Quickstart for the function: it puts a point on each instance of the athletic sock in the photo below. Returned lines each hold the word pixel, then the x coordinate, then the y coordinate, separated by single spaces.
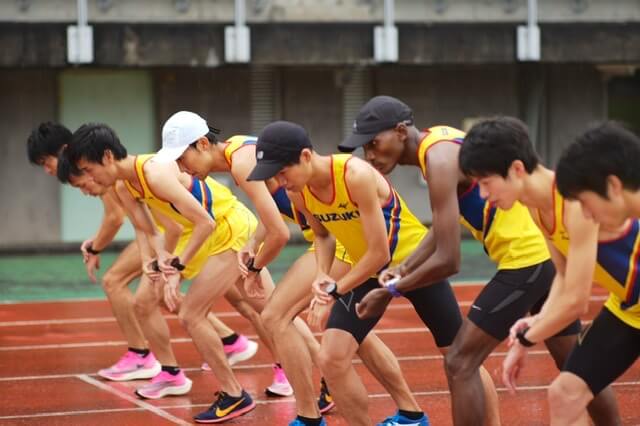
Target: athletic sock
pixel 230 340
pixel 278 365
pixel 171 369
pixel 310 421
pixel 411 415
pixel 142 352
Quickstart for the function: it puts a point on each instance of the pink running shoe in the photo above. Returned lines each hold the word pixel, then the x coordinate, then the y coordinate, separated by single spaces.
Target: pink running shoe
pixel 242 350
pixel 165 384
pixel 132 366
pixel 280 385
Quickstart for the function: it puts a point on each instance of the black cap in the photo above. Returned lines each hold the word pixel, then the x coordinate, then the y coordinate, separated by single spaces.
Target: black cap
pixel 279 145
pixel 377 115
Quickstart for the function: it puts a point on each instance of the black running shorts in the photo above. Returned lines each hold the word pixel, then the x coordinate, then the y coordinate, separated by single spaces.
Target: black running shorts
pixel 512 294
pixel 605 349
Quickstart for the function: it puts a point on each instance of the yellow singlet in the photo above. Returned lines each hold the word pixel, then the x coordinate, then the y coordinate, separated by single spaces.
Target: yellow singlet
pixel 286 208
pixel 234 222
pixel 616 267
pixel 510 238
pixel 342 217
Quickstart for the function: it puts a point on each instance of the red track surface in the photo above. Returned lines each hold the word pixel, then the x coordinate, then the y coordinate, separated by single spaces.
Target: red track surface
pixel 49 353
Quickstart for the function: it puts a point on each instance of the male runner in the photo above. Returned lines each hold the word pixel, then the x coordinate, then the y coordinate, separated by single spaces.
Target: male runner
pixel 44 146
pixel 342 196
pixel 500 155
pixel 386 130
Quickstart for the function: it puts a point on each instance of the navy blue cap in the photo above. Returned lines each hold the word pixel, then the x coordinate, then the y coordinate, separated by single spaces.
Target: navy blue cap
pixel 377 115
pixel 279 145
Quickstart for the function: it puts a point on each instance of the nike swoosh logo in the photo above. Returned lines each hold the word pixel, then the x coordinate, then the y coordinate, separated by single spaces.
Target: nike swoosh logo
pixel 223 413
pixel 476 307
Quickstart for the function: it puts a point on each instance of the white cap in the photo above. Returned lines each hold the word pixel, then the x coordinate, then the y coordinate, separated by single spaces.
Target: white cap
pixel 181 130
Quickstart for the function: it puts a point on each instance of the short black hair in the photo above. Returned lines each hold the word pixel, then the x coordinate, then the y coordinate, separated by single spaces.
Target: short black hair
pixel 211 137
pixel 605 149
pixel 91 141
pixel 66 169
pixel 492 145
pixel 46 140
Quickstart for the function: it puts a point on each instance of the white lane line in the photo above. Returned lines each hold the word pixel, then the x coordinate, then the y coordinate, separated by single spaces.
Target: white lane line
pixel 395 307
pixel 259 402
pixel 155 410
pixel 407 358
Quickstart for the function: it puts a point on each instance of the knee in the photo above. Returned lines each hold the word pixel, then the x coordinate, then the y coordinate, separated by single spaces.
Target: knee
pixel 111 283
pixel 333 364
pixel 271 320
pixel 563 396
pixel 458 365
pixel 143 308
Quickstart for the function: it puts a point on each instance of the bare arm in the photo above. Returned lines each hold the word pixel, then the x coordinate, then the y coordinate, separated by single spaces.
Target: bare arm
pixel 163 179
pixel 444 238
pixel 324 242
pixel 359 178
pixel 112 221
pixel 569 296
pixel 277 232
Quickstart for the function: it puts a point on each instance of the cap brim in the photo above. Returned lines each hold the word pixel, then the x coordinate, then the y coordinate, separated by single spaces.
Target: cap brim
pixel 355 141
pixel 167 155
pixel 265 170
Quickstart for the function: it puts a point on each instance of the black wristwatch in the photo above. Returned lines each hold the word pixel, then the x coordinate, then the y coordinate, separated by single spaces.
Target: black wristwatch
pixel 332 289
pixel 175 262
pixel 90 250
pixel 252 268
pixel 522 339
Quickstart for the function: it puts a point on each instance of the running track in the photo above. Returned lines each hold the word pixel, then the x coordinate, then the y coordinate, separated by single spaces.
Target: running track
pixel 50 351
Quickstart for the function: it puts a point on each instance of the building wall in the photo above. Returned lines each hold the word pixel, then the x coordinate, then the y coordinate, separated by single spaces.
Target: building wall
pixel 30 207
pixel 123 99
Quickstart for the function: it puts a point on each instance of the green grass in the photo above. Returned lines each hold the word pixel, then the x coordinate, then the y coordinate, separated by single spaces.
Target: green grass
pixel 62 276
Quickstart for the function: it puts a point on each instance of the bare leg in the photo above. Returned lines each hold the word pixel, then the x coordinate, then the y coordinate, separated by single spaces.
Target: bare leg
pixel 193 316
pixel 473 396
pixel 221 328
pixel 153 323
pixel 603 409
pixel 115 283
pixel 337 350
pixel 568 399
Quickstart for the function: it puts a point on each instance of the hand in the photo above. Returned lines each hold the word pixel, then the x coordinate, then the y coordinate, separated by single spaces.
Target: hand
pixel 397 271
pixel 164 263
pixel 318 287
pixel 521 324
pixel 83 249
pixel 244 255
pixel 318 313
pixel 91 263
pixel 512 365
pixel 151 269
pixel 374 303
pixel 253 286
pixel 172 294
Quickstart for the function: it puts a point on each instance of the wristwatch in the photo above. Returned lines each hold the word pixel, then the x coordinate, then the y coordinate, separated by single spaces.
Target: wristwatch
pixel 522 339
pixel 90 250
pixel 391 287
pixel 332 289
pixel 252 268
pixel 175 262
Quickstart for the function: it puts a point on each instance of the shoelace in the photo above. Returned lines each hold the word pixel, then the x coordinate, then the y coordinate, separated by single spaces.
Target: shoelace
pixel 221 395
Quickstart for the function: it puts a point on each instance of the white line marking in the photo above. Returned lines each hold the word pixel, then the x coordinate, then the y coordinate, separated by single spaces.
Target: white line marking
pixel 395 307
pixel 155 410
pixel 407 358
pixel 259 402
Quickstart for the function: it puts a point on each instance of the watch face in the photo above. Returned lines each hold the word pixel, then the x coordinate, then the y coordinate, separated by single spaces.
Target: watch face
pixel 330 288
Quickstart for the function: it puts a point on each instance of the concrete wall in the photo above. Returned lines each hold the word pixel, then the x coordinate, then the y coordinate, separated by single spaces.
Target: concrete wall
pixel 30 207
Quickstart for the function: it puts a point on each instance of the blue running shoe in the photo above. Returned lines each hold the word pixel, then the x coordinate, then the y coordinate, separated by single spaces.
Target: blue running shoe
pixel 226 408
pixel 298 422
pixel 399 419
